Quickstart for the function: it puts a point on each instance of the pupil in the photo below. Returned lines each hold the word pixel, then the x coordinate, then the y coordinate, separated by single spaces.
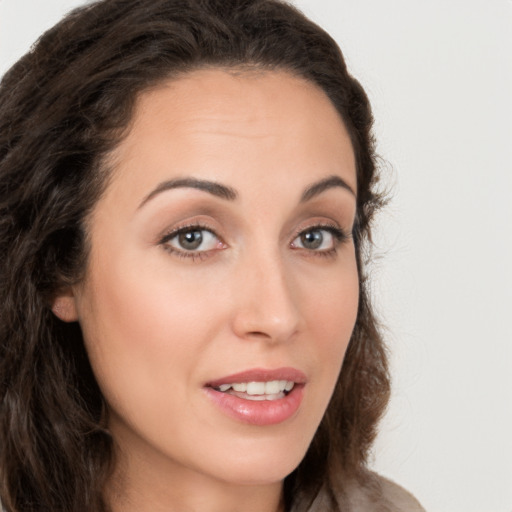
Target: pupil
pixel 190 240
pixel 312 239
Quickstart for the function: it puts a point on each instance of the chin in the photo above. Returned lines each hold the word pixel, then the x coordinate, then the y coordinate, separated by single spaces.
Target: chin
pixel 261 464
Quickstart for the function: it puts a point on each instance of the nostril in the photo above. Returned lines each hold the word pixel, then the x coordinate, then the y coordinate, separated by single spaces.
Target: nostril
pixel 258 334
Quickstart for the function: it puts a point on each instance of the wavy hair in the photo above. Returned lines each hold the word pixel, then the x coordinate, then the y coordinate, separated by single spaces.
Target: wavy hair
pixel 63 107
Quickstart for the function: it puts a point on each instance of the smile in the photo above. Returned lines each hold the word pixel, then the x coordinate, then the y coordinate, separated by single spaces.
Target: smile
pixel 270 390
pixel 259 397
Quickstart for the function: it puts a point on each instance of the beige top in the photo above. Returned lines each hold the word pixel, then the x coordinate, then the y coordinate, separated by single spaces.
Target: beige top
pixel 399 499
pixel 382 495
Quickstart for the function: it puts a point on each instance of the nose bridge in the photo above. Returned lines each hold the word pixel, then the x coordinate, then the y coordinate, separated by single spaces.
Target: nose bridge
pixel 266 305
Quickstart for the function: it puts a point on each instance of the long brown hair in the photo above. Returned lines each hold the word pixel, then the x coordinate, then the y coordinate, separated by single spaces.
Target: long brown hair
pixel 63 107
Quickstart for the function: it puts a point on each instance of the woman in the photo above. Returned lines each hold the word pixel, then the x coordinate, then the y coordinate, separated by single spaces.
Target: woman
pixel 187 191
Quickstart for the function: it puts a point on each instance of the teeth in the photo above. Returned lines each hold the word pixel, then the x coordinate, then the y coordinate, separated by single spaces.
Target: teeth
pixel 256 388
pixel 270 388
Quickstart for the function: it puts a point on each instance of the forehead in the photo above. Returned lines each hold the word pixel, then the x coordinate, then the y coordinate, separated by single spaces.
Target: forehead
pixel 218 123
pixel 242 98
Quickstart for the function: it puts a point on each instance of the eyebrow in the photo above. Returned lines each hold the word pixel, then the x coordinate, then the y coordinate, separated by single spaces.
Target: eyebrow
pixel 216 189
pixel 323 185
pixel 230 194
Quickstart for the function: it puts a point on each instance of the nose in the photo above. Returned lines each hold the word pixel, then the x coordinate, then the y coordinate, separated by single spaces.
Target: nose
pixel 265 304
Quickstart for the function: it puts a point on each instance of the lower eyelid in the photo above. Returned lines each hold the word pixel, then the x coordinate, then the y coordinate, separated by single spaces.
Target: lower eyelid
pixel 186 255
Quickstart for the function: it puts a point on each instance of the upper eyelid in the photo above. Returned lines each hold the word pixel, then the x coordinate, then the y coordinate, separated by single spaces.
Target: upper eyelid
pixel 326 225
pixel 319 225
pixel 171 233
pixel 337 231
pixel 200 227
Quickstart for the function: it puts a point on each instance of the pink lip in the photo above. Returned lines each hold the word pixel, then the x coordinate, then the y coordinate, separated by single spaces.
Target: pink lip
pixel 265 412
pixel 261 375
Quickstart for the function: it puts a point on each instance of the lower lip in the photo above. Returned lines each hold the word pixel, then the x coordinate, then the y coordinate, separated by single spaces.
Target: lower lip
pixel 265 412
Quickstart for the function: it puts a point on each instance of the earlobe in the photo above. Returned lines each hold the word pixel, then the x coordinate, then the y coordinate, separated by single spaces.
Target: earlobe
pixel 64 306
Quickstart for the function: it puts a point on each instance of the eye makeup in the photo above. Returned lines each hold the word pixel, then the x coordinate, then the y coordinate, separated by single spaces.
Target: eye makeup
pixel 198 241
pixel 314 236
pixel 194 235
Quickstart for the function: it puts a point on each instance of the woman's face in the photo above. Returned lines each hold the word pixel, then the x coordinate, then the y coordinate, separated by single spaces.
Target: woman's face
pixel 222 288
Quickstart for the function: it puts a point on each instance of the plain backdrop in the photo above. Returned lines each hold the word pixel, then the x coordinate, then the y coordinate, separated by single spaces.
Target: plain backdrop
pixel 439 75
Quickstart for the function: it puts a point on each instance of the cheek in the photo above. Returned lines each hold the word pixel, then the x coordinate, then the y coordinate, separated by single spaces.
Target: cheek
pixel 138 306
pixel 142 331
pixel 332 309
pixel 332 315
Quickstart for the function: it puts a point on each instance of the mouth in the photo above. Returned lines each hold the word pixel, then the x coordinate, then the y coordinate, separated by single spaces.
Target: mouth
pixel 259 397
pixel 258 391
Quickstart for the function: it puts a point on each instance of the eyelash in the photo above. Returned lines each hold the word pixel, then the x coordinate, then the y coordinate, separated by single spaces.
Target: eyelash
pixel 193 255
pixel 340 236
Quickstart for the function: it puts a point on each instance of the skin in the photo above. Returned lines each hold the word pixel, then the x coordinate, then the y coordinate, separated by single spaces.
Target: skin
pixel 160 321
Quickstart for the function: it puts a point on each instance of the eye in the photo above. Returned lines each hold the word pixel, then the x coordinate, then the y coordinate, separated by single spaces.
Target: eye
pixel 192 239
pixel 320 239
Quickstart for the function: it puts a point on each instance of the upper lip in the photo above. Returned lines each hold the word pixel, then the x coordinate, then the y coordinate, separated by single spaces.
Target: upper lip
pixel 261 375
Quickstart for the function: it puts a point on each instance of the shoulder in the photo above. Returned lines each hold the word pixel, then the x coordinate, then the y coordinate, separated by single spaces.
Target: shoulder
pixel 377 493
pixel 398 497
pixel 369 492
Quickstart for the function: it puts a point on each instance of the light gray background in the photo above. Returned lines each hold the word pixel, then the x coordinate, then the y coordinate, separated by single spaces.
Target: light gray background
pixel 439 75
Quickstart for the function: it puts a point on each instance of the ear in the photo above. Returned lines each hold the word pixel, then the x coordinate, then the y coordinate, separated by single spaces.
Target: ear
pixel 64 306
